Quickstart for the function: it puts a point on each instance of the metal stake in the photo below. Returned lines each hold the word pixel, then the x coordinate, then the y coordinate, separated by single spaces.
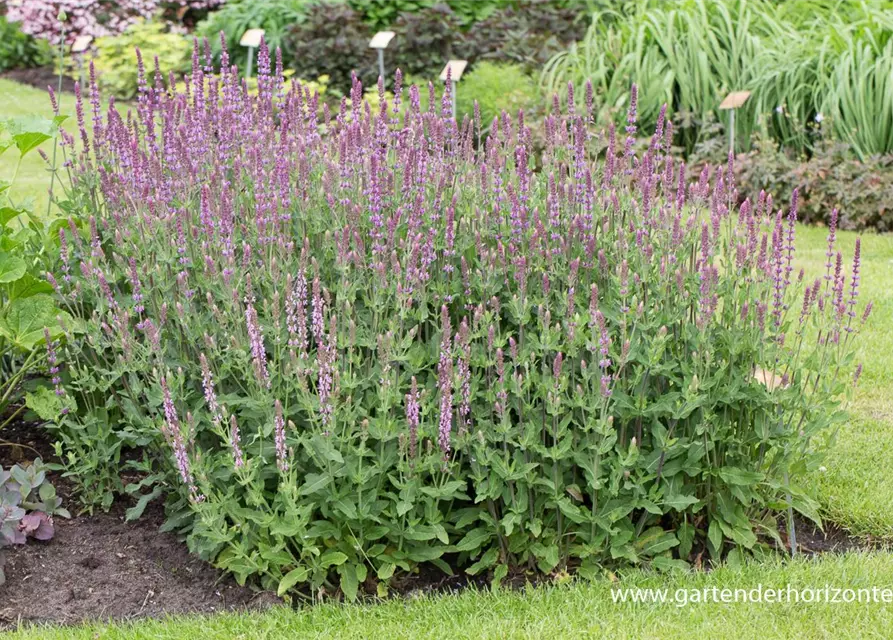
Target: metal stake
pixel 250 61
pixel 455 98
pixel 381 64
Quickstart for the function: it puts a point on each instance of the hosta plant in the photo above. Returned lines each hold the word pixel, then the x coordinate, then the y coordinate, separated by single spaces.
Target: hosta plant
pixel 355 344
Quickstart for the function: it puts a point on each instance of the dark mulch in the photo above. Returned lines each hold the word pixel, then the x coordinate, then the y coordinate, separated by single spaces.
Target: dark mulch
pixel 99 566
pixel 39 78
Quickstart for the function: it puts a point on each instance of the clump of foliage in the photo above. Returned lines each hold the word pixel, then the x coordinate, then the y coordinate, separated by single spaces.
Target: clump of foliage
pixel 382 14
pixel 233 19
pixel 29 317
pixel 831 178
pixel 496 88
pixel 527 32
pixel 28 503
pixel 800 60
pixel 358 344
pixel 332 41
pixel 97 18
pixel 115 57
pixel 426 40
pixel 18 50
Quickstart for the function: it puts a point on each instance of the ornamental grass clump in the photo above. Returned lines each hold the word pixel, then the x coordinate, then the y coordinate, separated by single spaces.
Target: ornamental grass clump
pixel 351 345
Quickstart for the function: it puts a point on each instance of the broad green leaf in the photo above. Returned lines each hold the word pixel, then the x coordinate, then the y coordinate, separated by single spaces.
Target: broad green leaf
pixel 386 570
pixel 45 403
pixel 474 539
pixel 11 268
pixel 26 319
pixel 349 582
pixel 734 475
pixel 332 559
pixel 290 579
pixel 134 512
pixel 679 502
pixel 28 286
pixel 8 213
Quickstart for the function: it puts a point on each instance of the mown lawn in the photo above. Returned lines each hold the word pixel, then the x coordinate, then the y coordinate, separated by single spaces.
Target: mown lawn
pixel 855 491
pixel 578 611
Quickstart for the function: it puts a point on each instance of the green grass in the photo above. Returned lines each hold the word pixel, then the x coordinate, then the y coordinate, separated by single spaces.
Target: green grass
pixel 33 179
pixel 855 491
pixel 580 610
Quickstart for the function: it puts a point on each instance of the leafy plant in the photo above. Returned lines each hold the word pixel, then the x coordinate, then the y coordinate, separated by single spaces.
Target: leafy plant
pixel 381 14
pixel 234 18
pixel 527 32
pixel 65 20
pixel 801 60
pixel 333 41
pixel 357 345
pixel 19 50
pixel 28 503
pixel 116 56
pixel 29 318
pixel 426 40
pixel 496 88
pixel 828 180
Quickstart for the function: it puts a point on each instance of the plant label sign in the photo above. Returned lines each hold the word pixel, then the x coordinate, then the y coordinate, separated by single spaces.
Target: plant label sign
pixel 381 40
pixel 456 68
pixel 252 38
pixel 81 44
pixel 734 100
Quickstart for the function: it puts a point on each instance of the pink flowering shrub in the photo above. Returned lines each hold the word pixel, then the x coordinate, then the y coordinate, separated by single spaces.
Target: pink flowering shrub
pixel 40 18
pixel 346 346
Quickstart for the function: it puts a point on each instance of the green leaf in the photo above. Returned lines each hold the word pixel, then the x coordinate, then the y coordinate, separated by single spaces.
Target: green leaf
pixel 11 268
pixel 45 403
pixel 8 213
pixel 714 534
pixel 349 582
pixel 386 570
pixel 332 559
pixel 26 319
pixel 734 475
pixel 134 512
pixel 290 579
pixel 28 286
pixel 679 501
pixel 474 539
pixel 487 560
pixel 315 482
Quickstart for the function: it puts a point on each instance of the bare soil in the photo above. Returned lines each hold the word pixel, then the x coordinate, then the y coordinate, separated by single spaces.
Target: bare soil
pixel 99 566
pixel 39 78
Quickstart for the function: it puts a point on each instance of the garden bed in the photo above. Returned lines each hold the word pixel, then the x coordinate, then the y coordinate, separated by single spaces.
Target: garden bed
pixel 39 78
pixel 99 566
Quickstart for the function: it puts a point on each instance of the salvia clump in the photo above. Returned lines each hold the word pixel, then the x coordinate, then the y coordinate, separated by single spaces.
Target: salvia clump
pixel 360 339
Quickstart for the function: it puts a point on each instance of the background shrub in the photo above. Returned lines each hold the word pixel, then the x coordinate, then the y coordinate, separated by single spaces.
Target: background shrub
pixel 529 32
pixel 356 349
pixel 802 60
pixel 276 17
pixel 496 88
pixel 18 50
pixel 40 18
pixel 426 40
pixel 831 178
pixel 115 57
pixel 333 41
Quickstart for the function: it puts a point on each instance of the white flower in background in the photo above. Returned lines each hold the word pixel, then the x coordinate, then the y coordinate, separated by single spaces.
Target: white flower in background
pixel 819 117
